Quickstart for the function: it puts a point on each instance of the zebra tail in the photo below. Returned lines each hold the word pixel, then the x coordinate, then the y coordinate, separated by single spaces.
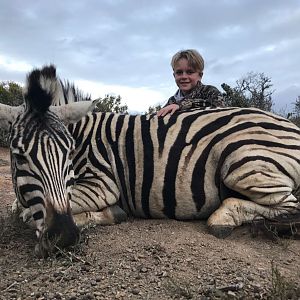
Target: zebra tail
pixel 284 226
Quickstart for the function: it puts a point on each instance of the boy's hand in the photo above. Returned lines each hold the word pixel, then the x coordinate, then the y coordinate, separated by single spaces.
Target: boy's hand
pixel 170 109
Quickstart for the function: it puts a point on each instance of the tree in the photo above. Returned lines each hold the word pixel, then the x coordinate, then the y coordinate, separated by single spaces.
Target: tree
pixel 296 111
pixel 112 104
pixel 234 97
pixel 252 90
pixel 294 116
pixel 11 93
pixel 153 109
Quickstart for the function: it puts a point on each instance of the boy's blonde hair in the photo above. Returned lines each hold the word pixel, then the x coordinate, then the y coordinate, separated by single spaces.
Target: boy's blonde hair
pixel 194 58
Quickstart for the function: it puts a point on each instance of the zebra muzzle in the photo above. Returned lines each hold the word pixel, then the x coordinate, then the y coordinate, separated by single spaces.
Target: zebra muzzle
pixel 61 233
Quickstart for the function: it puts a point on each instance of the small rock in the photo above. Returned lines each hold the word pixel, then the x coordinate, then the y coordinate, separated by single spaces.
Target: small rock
pixel 144 270
pixel 250 277
pixel 93 283
pixel 120 295
pixel 56 274
pixel 135 291
pixel 72 296
pixel 256 287
pixel 230 293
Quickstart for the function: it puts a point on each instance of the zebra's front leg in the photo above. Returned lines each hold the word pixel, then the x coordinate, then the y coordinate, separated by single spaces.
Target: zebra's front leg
pixel 23 213
pixel 16 207
pixel 234 212
pixel 95 202
pixel 107 216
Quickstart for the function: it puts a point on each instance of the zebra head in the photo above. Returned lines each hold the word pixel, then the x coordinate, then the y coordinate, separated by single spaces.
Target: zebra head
pixel 41 150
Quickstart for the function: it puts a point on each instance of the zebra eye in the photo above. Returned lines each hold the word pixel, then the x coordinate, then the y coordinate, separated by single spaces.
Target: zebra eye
pixel 20 159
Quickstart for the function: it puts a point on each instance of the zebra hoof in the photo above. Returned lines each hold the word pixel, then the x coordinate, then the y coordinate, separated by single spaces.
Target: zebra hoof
pixel 221 231
pixel 119 214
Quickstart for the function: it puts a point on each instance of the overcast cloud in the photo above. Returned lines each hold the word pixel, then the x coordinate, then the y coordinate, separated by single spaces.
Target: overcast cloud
pixel 125 47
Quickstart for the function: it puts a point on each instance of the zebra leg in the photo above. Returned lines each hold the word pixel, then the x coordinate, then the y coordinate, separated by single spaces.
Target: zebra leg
pixel 234 212
pixel 108 216
pixel 16 207
pixel 23 213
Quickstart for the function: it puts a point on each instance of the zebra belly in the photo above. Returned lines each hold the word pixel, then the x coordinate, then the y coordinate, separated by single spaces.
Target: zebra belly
pixel 182 205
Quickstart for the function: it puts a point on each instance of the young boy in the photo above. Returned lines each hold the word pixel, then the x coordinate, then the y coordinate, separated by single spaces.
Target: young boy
pixel 188 68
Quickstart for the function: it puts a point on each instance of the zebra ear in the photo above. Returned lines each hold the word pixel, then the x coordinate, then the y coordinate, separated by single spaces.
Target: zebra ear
pixel 73 112
pixel 8 115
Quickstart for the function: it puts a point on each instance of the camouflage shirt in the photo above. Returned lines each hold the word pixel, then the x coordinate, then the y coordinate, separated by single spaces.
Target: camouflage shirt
pixel 201 96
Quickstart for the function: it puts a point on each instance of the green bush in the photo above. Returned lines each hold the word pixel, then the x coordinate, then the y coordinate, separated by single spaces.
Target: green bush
pixel 10 94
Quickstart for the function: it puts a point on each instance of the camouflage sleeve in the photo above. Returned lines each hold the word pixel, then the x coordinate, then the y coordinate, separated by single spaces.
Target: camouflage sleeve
pixel 211 97
pixel 188 104
pixel 218 101
pixel 216 98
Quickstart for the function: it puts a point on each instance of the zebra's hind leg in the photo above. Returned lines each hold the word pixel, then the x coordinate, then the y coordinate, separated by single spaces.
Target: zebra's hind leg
pixel 107 216
pixel 233 212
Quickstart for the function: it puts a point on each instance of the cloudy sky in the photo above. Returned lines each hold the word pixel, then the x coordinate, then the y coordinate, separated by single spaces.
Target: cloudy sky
pixel 124 47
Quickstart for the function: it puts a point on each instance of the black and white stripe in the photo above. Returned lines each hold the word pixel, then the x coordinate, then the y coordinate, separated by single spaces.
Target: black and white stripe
pixel 186 165
pixel 42 168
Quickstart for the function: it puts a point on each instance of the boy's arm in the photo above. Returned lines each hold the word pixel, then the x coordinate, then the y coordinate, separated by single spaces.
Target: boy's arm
pixel 213 98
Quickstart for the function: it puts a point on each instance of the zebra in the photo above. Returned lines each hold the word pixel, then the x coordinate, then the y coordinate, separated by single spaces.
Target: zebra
pixel 40 146
pixel 227 165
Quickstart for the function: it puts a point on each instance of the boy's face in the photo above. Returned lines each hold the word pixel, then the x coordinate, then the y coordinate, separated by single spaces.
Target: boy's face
pixel 185 76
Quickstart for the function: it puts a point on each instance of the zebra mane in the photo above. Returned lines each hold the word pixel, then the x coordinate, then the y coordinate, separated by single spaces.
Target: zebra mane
pixel 44 88
pixel 67 93
pixel 38 89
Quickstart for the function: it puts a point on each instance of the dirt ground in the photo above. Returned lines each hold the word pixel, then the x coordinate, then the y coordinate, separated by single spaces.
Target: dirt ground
pixel 145 259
